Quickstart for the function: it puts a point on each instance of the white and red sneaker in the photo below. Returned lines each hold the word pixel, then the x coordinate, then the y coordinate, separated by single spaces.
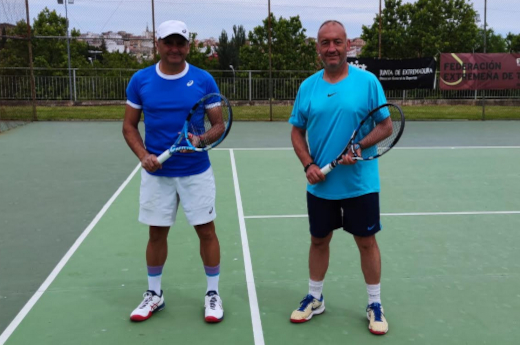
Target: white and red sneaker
pixel 152 303
pixel 213 311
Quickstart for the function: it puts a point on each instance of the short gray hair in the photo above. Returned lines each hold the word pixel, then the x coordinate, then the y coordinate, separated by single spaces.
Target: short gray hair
pixel 331 21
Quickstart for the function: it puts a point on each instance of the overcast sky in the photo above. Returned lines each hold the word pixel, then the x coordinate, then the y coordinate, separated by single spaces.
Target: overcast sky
pixel 209 17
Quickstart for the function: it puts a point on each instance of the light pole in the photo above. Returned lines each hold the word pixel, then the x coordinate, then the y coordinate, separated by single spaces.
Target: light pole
pixel 233 69
pixel 68 42
pixel 485 34
pixel 379 29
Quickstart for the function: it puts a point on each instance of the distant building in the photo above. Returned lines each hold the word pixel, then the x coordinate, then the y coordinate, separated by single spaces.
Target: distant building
pixel 356 45
pixel 140 46
pixel 210 43
pixel 6 26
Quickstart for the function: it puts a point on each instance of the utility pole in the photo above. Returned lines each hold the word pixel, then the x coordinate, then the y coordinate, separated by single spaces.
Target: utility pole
pixel 153 33
pixel 68 43
pixel 485 34
pixel 270 62
pixel 31 67
pixel 380 29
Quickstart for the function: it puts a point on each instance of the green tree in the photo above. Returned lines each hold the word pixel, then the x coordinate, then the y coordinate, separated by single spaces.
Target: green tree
pixel 291 49
pixel 15 52
pixel 52 53
pixel 442 26
pixel 119 60
pixel 394 33
pixel 424 28
pixel 103 46
pixel 200 55
pixel 494 43
pixel 4 38
pixel 513 43
pixel 229 50
pixel 238 40
pixel 224 51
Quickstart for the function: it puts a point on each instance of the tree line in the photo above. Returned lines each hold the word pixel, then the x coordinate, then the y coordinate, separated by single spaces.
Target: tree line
pixel 420 29
pixel 429 27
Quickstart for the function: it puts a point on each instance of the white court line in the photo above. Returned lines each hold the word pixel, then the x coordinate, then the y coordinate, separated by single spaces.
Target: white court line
pixel 395 148
pixel 397 214
pixel 30 304
pixel 258 333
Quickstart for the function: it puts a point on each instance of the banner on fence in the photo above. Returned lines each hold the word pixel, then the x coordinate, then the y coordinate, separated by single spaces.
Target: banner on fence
pixel 403 74
pixel 496 71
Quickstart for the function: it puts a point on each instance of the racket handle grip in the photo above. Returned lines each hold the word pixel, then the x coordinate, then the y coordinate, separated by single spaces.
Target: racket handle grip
pixel 326 169
pixel 164 156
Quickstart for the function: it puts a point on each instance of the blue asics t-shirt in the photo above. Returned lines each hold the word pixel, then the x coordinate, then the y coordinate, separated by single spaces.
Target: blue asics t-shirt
pixel 330 113
pixel 166 101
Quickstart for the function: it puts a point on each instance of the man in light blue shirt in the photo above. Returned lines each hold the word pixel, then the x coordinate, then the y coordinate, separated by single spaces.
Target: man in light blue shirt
pixel 329 106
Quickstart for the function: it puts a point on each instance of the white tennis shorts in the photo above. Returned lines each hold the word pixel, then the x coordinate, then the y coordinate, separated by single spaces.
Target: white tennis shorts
pixel 160 196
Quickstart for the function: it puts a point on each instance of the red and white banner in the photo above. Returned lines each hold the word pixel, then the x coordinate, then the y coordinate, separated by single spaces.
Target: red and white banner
pixel 480 71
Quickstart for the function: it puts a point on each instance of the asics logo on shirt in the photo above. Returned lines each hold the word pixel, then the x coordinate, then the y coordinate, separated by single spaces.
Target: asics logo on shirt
pixel 190 83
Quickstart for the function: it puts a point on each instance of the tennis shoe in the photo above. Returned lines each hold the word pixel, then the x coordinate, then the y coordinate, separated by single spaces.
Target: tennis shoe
pixel 376 318
pixel 151 303
pixel 213 310
pixel 309 307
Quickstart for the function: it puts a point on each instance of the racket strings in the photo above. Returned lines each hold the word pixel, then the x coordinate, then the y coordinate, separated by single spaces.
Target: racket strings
pixel 211 128
pixel 372 133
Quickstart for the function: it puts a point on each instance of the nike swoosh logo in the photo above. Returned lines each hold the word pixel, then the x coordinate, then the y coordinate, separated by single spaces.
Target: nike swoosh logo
pixel 211 211
pixel 371 227
pixel 190 83
pixel 331 94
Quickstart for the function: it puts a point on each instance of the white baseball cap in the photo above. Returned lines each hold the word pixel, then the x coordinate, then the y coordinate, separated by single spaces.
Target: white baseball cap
pixel 173 27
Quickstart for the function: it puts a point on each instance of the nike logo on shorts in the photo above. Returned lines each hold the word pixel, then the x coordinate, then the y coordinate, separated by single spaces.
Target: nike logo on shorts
pixel 371 227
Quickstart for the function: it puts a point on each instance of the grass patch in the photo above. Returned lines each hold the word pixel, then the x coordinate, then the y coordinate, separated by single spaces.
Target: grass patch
pixel 257 113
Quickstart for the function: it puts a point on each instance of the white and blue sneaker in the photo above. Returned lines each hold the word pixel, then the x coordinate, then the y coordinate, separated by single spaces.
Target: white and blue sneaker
pixel 376 318
pixel 213 310
pixel 151 303
pixel 309 306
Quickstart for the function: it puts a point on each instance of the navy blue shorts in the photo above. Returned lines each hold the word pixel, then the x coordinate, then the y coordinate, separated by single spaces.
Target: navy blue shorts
pixel 358 216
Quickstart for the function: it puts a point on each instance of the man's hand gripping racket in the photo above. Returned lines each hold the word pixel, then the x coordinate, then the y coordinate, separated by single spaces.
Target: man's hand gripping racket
pixel 202 133
pixel 372 138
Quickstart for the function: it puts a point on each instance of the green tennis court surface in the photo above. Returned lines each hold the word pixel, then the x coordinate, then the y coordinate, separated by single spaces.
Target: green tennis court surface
pixel 451 269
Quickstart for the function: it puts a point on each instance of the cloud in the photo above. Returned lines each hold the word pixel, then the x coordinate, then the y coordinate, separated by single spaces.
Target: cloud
pixel 209 17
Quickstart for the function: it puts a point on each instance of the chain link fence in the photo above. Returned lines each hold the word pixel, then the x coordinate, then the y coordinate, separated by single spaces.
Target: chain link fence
pixel 86 50
pixel 249 86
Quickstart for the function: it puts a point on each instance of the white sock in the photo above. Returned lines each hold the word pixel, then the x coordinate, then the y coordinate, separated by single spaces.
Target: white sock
pixel 212 283
pixel 374 293
pixel 315 288
pixel 154 284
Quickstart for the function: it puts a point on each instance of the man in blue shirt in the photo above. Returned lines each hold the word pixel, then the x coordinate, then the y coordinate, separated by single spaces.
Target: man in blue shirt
pixel 165 93
pixel 328 107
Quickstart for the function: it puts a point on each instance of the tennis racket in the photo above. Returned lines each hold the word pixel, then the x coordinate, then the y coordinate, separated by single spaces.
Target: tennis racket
pixel 376 139
pixel 207 125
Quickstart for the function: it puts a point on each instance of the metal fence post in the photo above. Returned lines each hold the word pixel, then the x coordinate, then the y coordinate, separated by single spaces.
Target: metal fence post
pixel 250 87
pixel 74 80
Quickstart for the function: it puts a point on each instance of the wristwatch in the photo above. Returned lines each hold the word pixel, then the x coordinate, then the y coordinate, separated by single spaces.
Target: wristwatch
pixel 308 166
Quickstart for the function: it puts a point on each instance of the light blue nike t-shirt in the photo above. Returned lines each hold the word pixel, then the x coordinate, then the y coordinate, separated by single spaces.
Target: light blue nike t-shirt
pixel 330 113
pixel 166 101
